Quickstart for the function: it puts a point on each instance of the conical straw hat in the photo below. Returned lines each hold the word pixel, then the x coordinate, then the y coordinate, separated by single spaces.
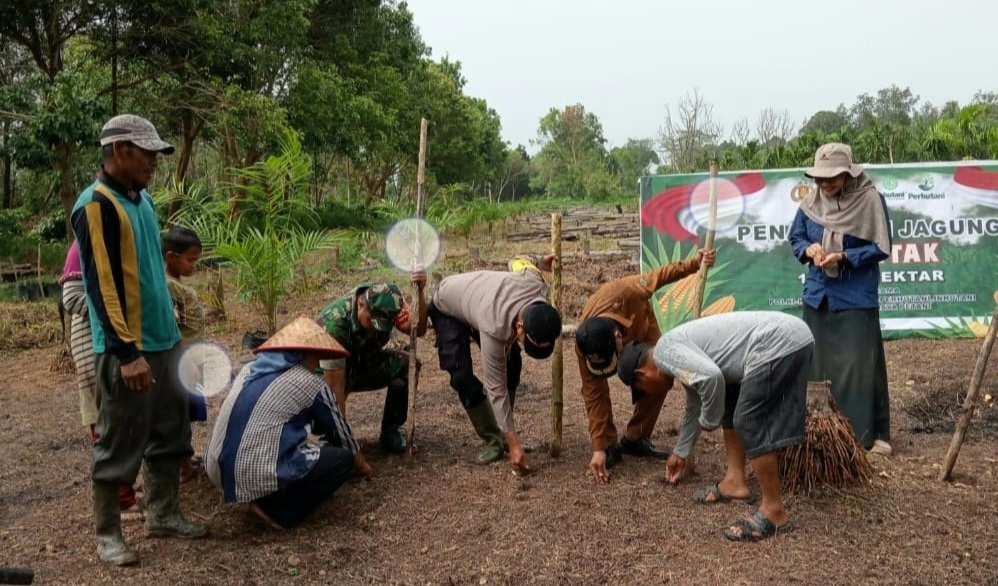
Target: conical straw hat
pixel 304 335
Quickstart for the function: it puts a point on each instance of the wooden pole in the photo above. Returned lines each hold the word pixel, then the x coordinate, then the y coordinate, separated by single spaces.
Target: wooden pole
pixel 557 358
pixel 971 401
pixel 709 242
pixel 414 320
pixel 691 461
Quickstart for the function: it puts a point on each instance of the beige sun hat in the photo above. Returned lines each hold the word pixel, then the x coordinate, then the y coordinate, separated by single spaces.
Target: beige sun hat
pixel 304 335
pixel 136 130
pixel 833 159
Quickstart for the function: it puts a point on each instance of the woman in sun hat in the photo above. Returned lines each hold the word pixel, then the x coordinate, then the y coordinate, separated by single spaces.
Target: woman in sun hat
pixel 842 233
pixel 260 451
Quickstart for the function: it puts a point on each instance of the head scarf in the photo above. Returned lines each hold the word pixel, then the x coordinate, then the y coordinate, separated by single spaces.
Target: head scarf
pixel 857 211
pixel 275 362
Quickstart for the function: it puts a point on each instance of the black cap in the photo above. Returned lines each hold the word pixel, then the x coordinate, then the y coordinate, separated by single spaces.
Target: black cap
pixel 630 358
pixel 597 342
pixel 541 326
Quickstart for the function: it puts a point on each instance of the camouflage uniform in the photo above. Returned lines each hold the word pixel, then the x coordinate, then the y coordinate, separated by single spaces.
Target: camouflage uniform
pixel 370 366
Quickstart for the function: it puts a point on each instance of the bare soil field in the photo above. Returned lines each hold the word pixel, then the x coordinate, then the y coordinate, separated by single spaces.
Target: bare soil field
pixel 443 520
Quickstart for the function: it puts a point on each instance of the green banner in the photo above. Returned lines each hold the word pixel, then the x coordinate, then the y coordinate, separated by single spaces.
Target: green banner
pixel 940 281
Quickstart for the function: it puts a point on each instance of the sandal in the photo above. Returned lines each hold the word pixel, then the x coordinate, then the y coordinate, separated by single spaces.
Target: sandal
pixel 712 495
pixel 755 528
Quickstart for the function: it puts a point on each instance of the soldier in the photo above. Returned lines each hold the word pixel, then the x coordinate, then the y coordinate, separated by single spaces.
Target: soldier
pixel 362 322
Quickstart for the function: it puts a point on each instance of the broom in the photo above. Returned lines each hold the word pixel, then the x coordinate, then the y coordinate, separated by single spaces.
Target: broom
pixel 63 360
pixel 830 454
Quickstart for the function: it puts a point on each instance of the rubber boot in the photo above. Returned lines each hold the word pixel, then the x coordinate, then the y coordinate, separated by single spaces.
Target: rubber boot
pixel 111 546
pixel 162 488
pixel 484 420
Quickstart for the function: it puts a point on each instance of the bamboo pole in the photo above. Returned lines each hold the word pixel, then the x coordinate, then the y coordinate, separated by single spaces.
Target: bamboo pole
pixel 557 358
pixel 691 461
pixel 709 241
pixel 971 401
pixel 417 254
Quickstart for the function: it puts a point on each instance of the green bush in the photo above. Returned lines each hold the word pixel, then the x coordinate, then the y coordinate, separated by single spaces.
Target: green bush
pixel 51 228
pixel 336 215
pixel 12 221
pixel 27 250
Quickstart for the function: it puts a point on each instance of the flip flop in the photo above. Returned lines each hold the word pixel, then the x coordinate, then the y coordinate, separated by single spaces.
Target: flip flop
pixel 756 528
pixel 712 495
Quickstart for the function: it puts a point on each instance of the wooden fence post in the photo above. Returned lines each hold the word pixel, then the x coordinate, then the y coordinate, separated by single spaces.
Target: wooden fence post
pixel 557 358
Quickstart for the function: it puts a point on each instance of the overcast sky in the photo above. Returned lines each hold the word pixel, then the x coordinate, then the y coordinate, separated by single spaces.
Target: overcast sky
pixel 625 60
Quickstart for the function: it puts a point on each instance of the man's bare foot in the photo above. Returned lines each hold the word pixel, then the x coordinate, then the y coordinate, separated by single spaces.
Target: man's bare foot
pixel 133 513
pixel 256 510
pixel 189 469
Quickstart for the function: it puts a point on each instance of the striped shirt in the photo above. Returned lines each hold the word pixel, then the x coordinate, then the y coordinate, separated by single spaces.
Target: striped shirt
pixel 129 304
pixel 260 443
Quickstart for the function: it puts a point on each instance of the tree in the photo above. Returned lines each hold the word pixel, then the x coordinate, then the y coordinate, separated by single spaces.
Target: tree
pixel 15 69
pixel 633 161
pixel 740 132
pixel 685 137
pixel 826 121
pixel 515 179
pixel 572 161
pixel 64 109
pixel 774 127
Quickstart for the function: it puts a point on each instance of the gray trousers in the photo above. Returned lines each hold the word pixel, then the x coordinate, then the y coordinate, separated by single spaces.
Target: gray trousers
pixel 133 426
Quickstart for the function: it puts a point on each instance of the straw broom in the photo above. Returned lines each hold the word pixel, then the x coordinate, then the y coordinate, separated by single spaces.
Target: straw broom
pixel 830 454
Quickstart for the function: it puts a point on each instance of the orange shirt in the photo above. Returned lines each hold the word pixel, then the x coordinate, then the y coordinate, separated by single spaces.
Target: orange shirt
pixel 627 302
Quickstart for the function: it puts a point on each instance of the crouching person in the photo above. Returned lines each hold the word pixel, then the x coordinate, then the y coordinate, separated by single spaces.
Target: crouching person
pixel 745 372
pixel 260 451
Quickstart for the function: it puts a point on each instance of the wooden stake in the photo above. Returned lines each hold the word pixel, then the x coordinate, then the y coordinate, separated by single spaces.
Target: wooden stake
pixel 971 401
pixel 557 358
pixel 709 242
pixel 413 356
pixel 691 461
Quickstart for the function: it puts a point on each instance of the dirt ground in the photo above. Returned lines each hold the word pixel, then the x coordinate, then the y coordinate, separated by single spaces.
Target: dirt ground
pixel 443 520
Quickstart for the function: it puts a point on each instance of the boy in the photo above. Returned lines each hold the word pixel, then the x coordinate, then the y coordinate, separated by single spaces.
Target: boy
pixel 181 251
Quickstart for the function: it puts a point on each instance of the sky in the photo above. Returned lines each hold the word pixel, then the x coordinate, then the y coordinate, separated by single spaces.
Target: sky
pixel 626 60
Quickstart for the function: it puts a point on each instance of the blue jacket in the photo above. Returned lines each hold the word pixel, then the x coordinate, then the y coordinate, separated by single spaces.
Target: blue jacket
pixel 859 275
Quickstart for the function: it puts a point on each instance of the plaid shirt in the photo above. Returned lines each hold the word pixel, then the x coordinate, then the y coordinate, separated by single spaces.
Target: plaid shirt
pixel 260 441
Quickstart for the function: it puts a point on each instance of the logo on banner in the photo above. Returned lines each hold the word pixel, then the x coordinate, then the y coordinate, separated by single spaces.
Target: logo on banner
pixel 926 183
pixel 801 190
pixel 889 183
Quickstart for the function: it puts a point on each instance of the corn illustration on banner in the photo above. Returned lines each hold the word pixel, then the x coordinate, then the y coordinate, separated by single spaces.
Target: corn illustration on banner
pixel 940 281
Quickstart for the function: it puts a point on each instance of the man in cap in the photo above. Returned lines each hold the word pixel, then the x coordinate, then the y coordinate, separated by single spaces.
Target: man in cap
pixel 499 311
pixel 143 413
pixel 260 452
pixel 620 312
pixel 362 322
pixel 745 372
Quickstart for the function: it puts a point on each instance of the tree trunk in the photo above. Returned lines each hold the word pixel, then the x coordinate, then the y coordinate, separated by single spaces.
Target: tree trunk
pixel 64 164
pixel 189 133
pixel 8 170
pixel 228 162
